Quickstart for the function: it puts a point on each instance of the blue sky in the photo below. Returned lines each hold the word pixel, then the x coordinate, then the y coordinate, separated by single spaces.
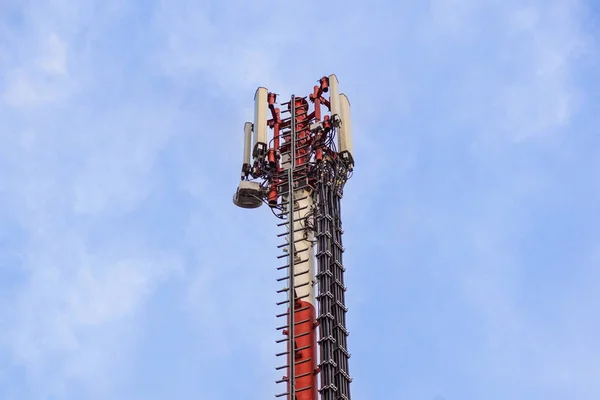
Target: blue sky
pixel 472 230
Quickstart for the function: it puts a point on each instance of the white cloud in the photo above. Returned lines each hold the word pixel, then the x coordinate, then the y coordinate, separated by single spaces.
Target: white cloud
pixel 72 299
pixel 20 90
pixel 73 163
pixel 42 82
pixel 511 64
pixel 54 56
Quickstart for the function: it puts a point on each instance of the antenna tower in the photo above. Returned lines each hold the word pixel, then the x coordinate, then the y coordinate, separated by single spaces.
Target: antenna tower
pixel 300 173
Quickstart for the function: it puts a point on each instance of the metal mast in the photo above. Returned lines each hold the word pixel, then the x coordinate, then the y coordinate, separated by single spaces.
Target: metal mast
pixel 301 176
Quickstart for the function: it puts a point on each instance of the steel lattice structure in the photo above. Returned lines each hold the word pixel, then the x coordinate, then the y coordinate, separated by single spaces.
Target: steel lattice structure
pixel 300 174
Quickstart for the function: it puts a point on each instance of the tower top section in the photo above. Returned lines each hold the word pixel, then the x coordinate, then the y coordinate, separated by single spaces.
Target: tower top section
pixel 300 133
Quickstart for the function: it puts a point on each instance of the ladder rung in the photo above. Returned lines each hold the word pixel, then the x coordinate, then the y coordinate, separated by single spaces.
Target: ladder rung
pixel 295 231
pixel 283 353
pixel 287 289
pixel 297 310
pixel 295 220
pixel 287 266
pixel 303 361
pixel 296 363
pixel 287 244
pixel 297 390
pixel 285 213
pixel 295 323
pixel 287 301
pixel 295 337
pixel 295 275
pixel 297 252
pixel 285 378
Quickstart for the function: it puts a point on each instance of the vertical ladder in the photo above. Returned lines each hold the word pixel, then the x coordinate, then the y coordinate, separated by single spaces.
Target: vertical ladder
pixel 299 330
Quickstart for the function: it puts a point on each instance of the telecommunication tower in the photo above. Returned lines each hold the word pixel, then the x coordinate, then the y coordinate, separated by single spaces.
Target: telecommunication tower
pixel 300 173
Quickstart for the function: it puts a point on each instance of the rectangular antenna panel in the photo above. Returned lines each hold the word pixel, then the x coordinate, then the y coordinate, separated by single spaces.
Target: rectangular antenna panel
pixel 260 122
